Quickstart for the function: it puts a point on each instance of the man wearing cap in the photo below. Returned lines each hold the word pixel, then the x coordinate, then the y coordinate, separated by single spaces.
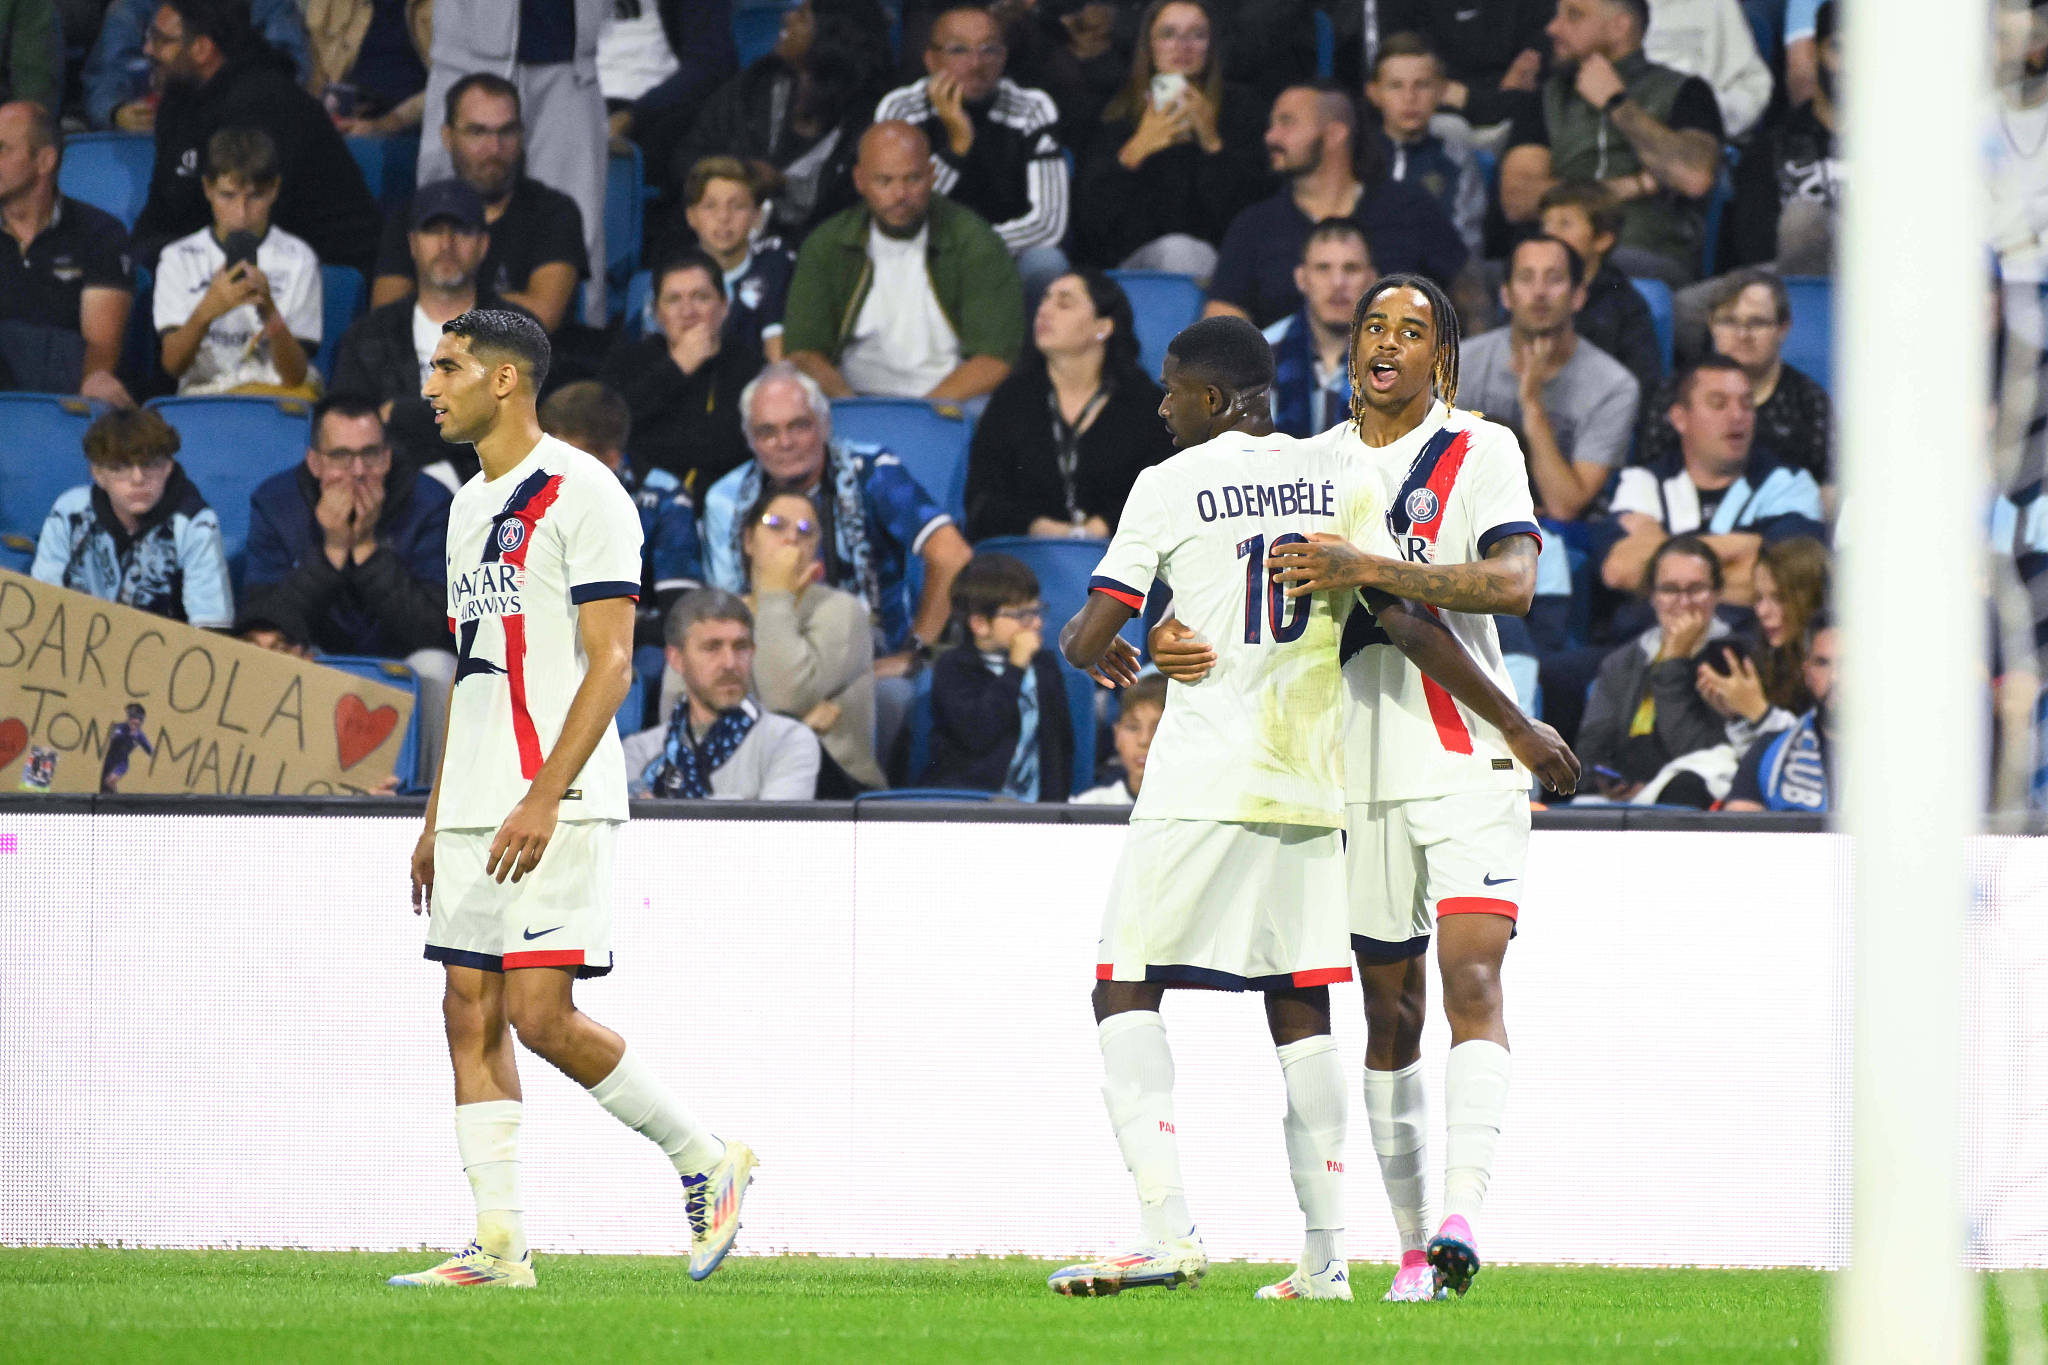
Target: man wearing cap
pixel 384 355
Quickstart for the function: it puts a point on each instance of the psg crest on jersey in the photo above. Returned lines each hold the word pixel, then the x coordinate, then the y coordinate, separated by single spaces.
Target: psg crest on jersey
pixel 1421 505
pixel 511 534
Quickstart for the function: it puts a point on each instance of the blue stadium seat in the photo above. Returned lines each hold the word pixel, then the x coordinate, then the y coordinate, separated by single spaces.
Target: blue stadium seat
pixel 1657 294
pixel 1809 346
pixel 17 552
pixel 1326 47
pixel 392 673
pixel 45 455
pixel 625 193
pixel 1163 303
pixel 342 295
pixel 390 166
pixel 229 445
pixel 640 304
pixel 109 171
pixel 754 29
pixel 930 439
pixel 1717 205
pixel 631 717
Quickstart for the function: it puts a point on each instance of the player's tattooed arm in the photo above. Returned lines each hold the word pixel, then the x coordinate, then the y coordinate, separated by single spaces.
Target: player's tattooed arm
pixel 1090 641
pixel 1502 584
pixel 1431 647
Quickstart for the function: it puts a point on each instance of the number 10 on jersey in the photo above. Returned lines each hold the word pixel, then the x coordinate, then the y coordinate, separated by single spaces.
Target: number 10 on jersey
pixel 1265 599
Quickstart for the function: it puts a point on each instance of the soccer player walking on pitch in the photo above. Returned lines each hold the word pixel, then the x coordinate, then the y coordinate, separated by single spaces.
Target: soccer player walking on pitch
pixel 1436 814
pixel 515 861
pixel 1233 867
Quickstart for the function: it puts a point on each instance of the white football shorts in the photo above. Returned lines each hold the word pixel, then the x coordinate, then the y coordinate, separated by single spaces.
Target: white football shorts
pixel 1410 862
pixel 558 915
pixel 1234 907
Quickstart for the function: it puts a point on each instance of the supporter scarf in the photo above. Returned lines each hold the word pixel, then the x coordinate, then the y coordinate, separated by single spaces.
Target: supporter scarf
pixel 1795 774
pixel 1294 384
pixel 684 768
pixel 852 560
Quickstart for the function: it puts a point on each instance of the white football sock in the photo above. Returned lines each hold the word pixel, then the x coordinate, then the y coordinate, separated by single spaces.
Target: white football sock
pixel 1137 1086
pixel 1397 1110
pixel 1314 1125
pixel 633 1097
pixel 487 1136
pixel 1475 1098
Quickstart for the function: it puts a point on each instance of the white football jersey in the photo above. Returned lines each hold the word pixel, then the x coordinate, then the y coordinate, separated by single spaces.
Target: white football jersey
pixel 1451 489
pixel 1260 738
pixel 229 355
pixel 525 550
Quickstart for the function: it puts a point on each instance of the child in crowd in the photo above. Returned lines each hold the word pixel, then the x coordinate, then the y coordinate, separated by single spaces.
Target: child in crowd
pixel 139 533
pixel 999 704
pixel 1586 217
pixel 723 202
pixel 238 303
pixel 1144 701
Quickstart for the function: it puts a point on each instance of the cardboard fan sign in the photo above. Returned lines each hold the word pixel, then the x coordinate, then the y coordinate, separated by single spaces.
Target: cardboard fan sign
pixel 100 697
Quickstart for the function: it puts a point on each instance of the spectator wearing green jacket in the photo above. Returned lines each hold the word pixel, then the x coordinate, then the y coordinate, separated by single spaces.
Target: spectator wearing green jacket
pixel 907 295
pixel 31 53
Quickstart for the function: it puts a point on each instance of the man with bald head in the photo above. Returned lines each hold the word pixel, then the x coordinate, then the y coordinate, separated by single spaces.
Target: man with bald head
pixel 907 294
pixel 63 312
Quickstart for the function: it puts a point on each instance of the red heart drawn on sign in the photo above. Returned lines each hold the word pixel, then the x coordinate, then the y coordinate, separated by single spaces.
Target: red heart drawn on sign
pixel 13 739
pixel 358 730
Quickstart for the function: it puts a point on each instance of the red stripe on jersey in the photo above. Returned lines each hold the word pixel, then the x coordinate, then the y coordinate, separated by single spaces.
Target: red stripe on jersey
pixel 1441 480
pixel 1474 905
pixel 1451 730
pixel 451 625
pixel 559 957
pixel 1322 976
pixel 523 733
pixel 1129 599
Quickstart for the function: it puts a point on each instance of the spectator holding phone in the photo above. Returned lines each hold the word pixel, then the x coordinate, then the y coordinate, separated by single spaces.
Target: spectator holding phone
pixel 238 302
pixel 1788 771
pixel 1762 689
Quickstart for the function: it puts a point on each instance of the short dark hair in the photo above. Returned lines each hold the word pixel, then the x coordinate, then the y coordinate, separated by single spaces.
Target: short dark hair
pixel 127 436
pixel 1107 298
pixel 1336 230
pixel 1228 350
pixel 1638 10
pixel 1824 21
pixel 1705 364
pixel 43 128
pixel 1149 690
pixel 487 81
pixel 1574 263
pixel 990 582
pixel 246 153
pixel 1824 619
pixel 703 604
pixel 509 333
pixel 1733 285
pixel 225 22
pixel 1591 198
pixel 691 259
pixel 343 404
pixel 1405 45
pixel 1690 545
pixel 587 413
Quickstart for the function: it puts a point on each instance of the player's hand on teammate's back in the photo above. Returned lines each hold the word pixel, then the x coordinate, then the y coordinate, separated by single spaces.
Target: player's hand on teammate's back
pixel 521 839
pixel 1179 653
pixel 1119 666
pixel 1542 751
pixel 423 871
pixel 1322 563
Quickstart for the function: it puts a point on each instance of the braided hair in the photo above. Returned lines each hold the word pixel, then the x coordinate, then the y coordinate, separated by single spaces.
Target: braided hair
pixel 1444 370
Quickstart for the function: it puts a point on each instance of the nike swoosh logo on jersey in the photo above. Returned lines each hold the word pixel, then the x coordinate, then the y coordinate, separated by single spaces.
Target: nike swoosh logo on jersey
pixel 1494 881
pixel 529 935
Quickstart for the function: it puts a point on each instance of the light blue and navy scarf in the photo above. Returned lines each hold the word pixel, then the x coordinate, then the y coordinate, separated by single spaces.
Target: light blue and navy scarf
pixel 853 561
pixel 1794 772
pixel 685 766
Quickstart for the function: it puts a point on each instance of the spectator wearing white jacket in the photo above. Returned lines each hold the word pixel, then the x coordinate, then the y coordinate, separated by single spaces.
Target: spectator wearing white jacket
pixel 1711 39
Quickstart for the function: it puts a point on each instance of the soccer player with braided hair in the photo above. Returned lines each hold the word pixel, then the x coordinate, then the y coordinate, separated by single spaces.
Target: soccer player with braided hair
pixel 1436 795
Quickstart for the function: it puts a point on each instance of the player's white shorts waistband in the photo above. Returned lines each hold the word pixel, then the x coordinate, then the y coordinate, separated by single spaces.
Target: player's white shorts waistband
pixel 558 915
pixel 1408 863
pixel 1237 907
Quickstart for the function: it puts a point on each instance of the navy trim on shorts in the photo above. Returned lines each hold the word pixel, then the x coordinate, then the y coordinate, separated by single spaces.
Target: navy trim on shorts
pixel 1208 978
pixel 462 957
pixel 1380 952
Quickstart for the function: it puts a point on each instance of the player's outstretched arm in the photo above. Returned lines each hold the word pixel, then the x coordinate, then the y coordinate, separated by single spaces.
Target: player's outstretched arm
pixel 1090 641
pixel 1431 647
pixel 1501 584
pixel 605 628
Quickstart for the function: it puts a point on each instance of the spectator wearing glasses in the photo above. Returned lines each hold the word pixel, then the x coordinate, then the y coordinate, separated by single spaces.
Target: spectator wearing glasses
pixel 346 554
pixel 814 654
pixel 138 534
pixel 538 248
pixel 116 79
pixel 1646 712
pixel 999 705
pixel 995 148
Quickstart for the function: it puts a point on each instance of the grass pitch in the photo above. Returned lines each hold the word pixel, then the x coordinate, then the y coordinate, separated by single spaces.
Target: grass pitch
pixel 223 1307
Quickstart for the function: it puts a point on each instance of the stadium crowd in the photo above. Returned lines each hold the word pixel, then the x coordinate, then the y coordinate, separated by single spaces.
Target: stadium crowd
pixel 996 212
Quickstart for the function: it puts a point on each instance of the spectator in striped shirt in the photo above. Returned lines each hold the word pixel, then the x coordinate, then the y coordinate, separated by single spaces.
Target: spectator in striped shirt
pixel 994 143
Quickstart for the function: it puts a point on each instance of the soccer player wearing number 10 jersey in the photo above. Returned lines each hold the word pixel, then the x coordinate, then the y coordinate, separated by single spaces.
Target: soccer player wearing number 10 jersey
pixel 1232 875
